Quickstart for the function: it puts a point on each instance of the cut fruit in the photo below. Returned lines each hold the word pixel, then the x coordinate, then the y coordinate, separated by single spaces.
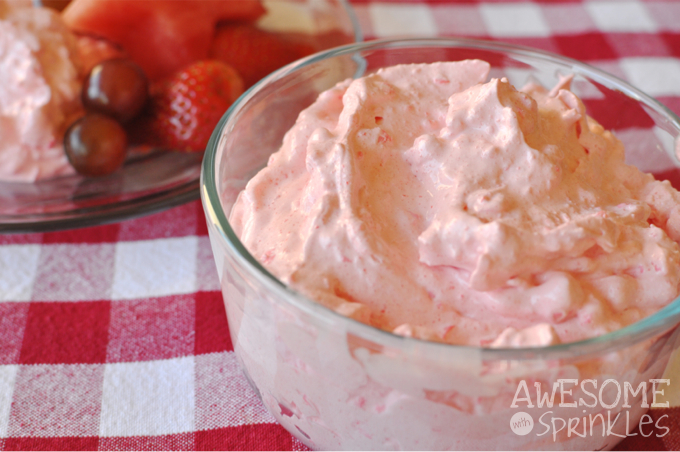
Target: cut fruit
pixel 253 52
pixel 55 4
pixel 117 88
pixel 95 145
pixel 93 50
pixel 186 107
pixel 162 36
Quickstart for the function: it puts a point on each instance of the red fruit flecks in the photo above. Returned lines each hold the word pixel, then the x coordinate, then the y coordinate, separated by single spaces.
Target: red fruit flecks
pixel 253 52
pixel 186 107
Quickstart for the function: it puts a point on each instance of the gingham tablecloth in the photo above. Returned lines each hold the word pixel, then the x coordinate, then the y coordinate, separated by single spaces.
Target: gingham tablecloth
pixel 115 337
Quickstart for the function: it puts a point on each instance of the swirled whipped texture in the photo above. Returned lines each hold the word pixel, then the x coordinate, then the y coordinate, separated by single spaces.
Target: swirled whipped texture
pixel 39 89
pixel 430 202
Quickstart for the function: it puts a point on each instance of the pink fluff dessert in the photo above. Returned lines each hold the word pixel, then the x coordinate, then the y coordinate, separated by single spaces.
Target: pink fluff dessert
pixel 432 202
pixel 39 89
pixel 468 233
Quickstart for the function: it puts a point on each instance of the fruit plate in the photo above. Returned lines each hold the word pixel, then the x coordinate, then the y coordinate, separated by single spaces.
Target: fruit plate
pixel 155 180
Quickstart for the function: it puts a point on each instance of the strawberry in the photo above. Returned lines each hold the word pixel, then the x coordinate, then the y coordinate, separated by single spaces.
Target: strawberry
pixel 253 52
pixel 186 107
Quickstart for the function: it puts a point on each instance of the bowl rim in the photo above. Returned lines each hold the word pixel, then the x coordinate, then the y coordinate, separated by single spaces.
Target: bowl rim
pixel 656 324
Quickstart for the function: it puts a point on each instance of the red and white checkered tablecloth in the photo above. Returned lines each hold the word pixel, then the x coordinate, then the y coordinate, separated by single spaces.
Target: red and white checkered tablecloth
pixel 115 337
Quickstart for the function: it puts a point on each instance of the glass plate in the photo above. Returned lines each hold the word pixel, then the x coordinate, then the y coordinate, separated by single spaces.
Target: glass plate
pixel 155 180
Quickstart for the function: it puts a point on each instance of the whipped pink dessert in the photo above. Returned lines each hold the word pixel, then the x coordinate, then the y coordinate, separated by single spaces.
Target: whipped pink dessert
pixel 39 90
pixel 432 202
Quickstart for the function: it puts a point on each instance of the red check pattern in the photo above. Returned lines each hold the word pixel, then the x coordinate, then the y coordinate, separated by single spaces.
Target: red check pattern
pixel 115 337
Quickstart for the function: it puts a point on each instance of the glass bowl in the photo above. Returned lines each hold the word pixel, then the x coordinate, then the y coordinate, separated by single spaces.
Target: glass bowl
pixel 155 180
pixel 336 383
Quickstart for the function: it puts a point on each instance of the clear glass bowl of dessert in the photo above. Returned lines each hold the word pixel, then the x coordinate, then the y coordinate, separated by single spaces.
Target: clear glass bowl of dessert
pixel 153 177
pixel 338 383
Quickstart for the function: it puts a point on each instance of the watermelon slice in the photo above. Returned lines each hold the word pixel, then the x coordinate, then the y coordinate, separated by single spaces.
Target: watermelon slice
pixel 162 36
